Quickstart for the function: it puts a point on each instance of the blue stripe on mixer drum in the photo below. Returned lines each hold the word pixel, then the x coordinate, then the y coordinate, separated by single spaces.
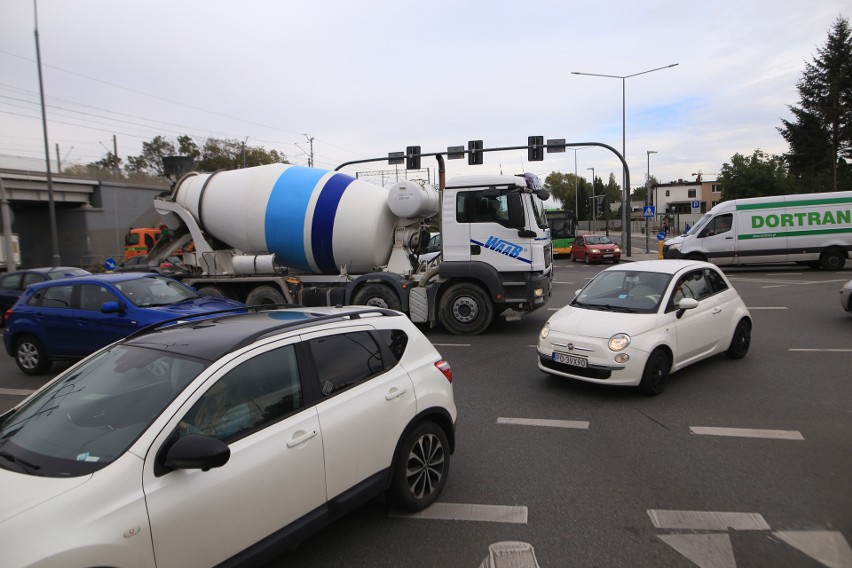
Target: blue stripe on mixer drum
pixel 322 229
pixel 285 214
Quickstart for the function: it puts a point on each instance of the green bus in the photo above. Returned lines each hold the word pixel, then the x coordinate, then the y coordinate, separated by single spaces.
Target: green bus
pixel 562 224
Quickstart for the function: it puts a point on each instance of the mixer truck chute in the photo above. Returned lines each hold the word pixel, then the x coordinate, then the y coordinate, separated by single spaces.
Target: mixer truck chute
pixel 289 234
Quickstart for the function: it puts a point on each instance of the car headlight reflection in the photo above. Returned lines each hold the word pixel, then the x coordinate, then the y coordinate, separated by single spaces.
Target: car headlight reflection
pixel 619 342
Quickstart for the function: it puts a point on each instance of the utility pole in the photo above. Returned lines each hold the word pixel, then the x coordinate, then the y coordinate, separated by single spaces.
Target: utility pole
pixel 54 238
pixel 311 156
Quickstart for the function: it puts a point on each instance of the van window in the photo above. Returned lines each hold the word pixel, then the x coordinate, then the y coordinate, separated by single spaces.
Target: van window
pixel 720 225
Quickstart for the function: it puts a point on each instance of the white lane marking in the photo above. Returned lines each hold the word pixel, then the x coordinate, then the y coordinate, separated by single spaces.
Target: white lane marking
pixel 707 520
pixel 703 550
pixel 451 344
pixel 17 392
pixel 557 282
pixel 468 512
pixel 747 433
pixel 578 424
pixel 822 350
pixel 776 286
pixel 826 547
pixel 768 308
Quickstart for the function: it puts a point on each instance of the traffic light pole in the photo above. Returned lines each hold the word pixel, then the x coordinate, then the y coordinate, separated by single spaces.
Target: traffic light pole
pixel 535 146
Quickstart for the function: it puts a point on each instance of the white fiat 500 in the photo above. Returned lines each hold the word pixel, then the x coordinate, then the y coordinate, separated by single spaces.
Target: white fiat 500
pixel 222 441
pixel 635 324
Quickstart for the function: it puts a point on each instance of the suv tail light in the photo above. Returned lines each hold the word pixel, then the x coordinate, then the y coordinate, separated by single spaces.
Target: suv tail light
pixel 7 314
pixel 445 368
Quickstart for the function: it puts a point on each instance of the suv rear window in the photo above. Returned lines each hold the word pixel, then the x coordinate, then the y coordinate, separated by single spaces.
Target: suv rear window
pixel 344 360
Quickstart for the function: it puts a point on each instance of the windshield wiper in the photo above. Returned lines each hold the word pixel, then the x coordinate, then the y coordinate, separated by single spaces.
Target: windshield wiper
pixel 623 309
pixel 25 465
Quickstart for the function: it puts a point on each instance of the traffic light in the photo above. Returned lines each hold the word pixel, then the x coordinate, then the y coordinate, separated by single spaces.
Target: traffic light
pixel 474 158
pixel 535 150
pixel 412 162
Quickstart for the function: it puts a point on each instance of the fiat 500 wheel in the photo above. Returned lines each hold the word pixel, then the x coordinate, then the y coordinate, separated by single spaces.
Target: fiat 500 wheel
pixel 656 373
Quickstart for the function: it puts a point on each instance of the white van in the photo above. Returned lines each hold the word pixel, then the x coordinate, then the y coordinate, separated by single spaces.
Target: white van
pixel 810 228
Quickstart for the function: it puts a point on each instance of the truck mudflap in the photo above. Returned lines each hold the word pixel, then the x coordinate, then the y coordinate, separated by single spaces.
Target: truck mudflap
pixel 418 305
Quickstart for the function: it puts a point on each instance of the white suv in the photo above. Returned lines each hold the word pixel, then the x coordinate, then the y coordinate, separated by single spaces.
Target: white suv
pixel 224 439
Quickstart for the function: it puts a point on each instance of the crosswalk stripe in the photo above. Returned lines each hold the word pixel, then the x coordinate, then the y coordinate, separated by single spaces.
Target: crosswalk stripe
pixel 747 433
pixel 469 512
pixel 579 424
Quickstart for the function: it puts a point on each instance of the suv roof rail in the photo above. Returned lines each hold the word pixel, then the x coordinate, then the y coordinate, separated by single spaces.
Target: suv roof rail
pixel 185 321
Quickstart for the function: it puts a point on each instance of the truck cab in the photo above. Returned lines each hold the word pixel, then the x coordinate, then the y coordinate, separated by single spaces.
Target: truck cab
pixel 495 234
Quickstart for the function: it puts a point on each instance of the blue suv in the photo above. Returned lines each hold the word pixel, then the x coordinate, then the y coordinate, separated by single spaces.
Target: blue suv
pixel 72 318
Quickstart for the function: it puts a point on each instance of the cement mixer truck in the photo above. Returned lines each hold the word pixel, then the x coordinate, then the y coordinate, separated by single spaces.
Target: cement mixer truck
pixel 279 234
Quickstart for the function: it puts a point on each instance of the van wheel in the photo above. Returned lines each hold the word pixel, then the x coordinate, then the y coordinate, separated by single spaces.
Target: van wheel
pixel 379 296
pixel 833 259
pixel 420 468
pixel 696 256
pixel 265 296
pixel 31 356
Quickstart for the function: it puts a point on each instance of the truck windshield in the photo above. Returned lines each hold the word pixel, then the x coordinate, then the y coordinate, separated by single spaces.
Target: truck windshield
pixel 538 211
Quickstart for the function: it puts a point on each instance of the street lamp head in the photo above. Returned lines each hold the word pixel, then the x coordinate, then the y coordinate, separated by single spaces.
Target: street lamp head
pixel 652 152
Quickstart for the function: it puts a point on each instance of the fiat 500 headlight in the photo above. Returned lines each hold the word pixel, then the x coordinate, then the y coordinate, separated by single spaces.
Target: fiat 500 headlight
pixel 619 341
pixel 545 331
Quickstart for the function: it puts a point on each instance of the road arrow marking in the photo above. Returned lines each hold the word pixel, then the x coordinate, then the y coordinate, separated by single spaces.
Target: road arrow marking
pixel 829 548
pixel 707 520
pixel 704 550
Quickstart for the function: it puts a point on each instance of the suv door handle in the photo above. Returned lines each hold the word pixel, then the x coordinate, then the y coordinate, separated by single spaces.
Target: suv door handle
pixel 395 393
pixel 300 439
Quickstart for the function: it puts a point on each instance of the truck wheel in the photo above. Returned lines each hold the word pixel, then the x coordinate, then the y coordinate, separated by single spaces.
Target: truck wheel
pixel 465 310
pixel 833 259
pixel 378 296
pixel 214 292
pixel 31 356
pixel 265 296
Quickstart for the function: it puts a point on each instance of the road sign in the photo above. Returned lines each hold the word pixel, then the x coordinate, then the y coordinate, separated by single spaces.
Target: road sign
pixel 110 264
pixel 696 205
pixel 648 211
pixel 661 236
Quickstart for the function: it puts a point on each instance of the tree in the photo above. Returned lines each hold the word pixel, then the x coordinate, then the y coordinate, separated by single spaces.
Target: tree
pixel 215 154
pixel 756 176
pixel 820 139
pixel 562 187
pixel 151 159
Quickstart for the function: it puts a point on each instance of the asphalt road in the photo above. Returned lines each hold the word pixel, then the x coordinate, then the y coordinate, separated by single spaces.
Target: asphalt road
pixel 591 476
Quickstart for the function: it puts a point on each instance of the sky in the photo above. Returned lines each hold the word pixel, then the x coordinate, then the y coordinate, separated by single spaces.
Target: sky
pixel 357 80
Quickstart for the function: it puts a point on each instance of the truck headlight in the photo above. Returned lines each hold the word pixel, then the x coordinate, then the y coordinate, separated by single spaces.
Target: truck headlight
pixel 619 342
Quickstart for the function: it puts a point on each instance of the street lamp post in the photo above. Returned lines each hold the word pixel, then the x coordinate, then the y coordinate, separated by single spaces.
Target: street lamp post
pixel 625 206
pixel 592 202
pixel 647 195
